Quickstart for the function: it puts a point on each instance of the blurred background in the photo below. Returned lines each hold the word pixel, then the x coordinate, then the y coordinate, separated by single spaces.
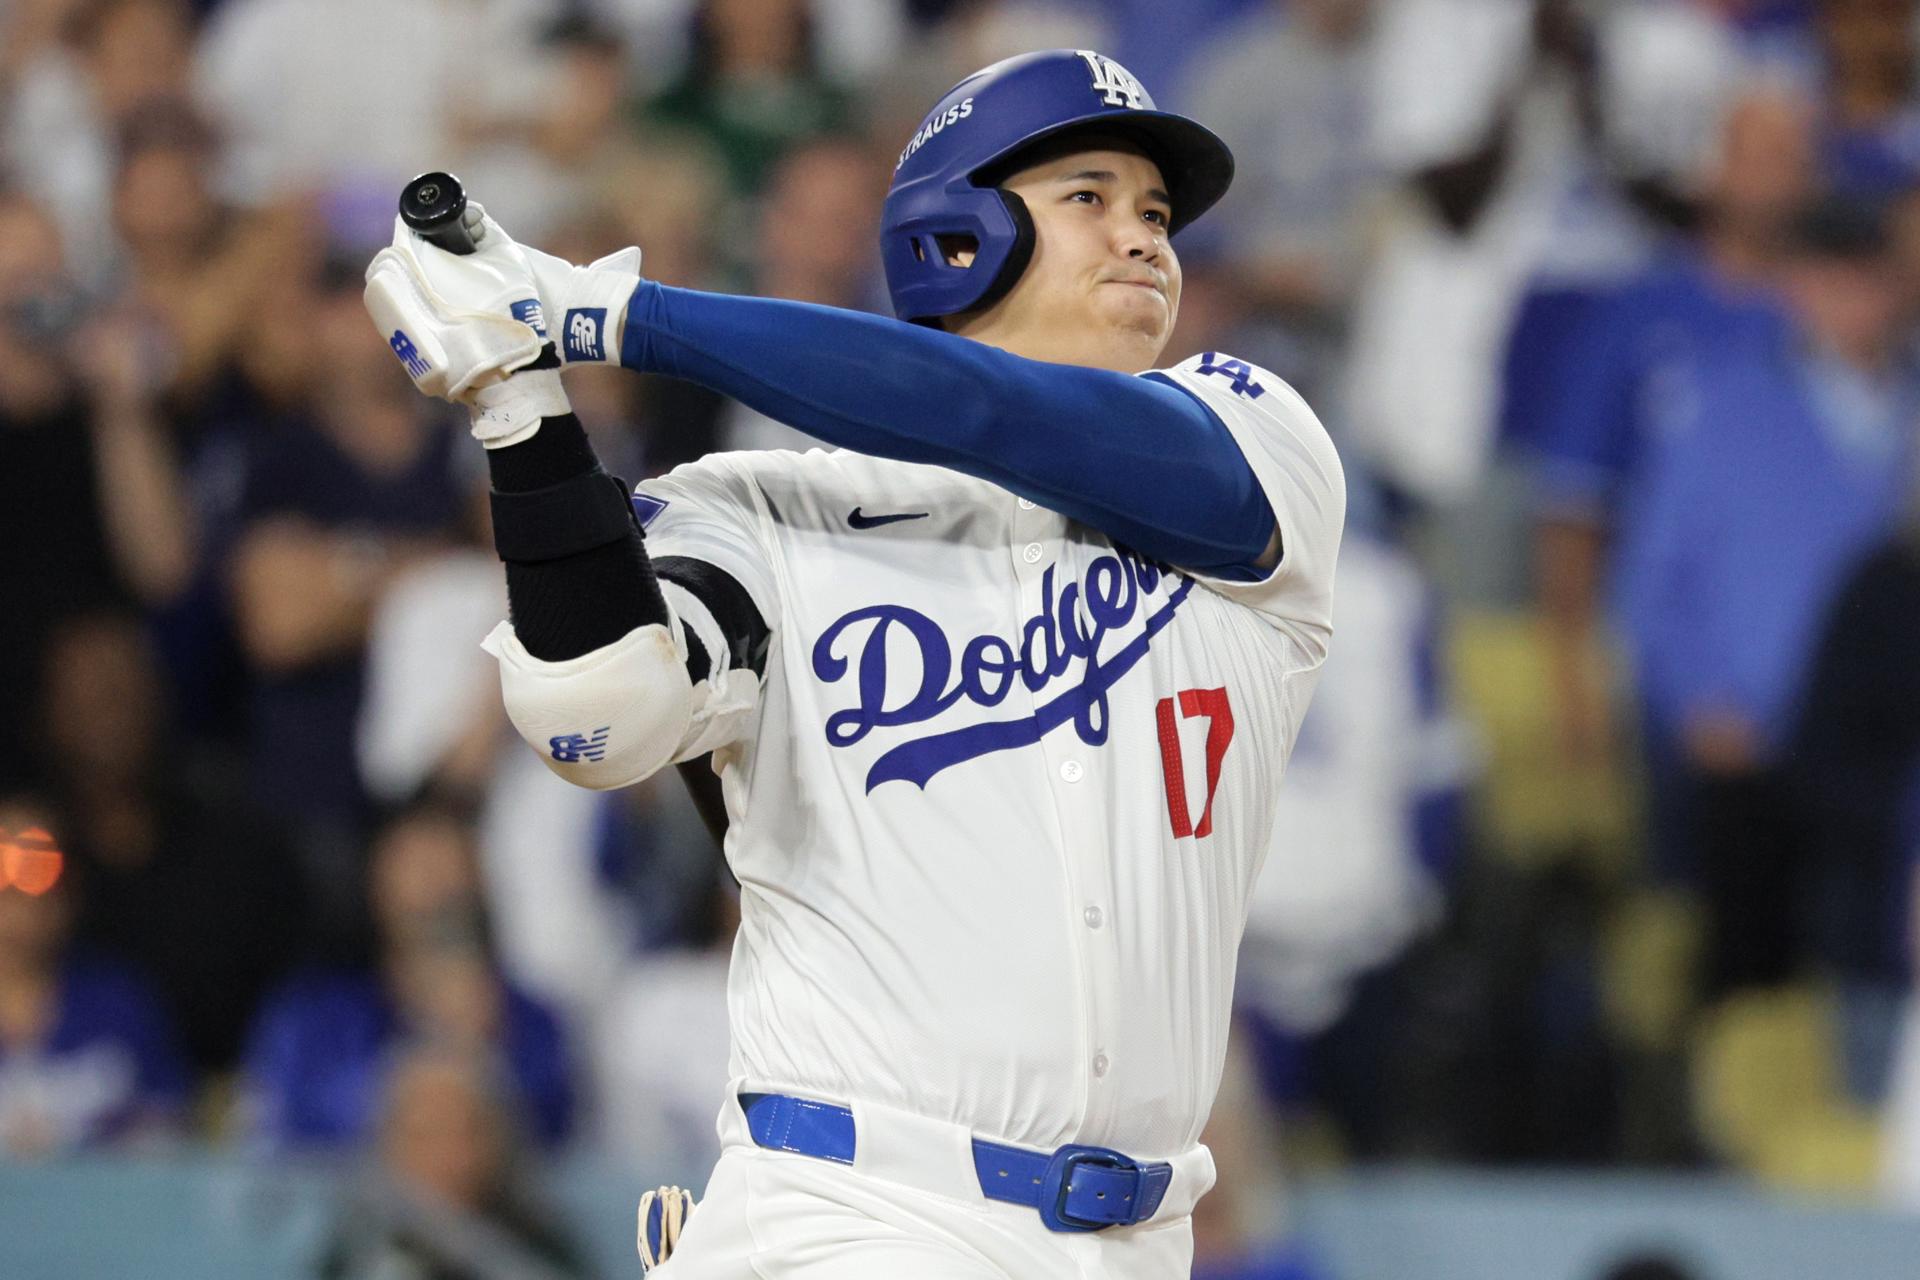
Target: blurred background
pixel 1585 948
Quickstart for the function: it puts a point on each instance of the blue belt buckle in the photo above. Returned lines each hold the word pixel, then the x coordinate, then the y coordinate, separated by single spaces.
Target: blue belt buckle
pixel 1058 1182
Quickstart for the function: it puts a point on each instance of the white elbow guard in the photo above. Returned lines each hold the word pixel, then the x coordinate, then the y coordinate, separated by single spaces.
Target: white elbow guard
pixel 606 718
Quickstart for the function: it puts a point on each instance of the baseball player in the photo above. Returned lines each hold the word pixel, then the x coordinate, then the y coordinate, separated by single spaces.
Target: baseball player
pixel 999 693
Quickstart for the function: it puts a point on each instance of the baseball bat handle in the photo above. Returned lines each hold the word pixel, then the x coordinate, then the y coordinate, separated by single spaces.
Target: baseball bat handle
pixel 434 205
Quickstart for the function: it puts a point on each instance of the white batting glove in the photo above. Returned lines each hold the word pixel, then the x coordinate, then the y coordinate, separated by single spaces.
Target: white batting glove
pixel 462 325
pixel 587 306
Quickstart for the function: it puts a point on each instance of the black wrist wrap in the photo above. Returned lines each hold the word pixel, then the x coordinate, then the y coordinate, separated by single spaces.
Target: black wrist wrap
pixel 580 513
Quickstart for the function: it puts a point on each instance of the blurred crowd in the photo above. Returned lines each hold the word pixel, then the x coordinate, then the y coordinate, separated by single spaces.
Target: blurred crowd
pixel 1597 848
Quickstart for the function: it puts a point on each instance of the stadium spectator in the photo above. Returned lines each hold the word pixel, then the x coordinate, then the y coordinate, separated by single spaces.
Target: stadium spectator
pixel 663 1104
pixel 668 195
pixel 109 518
pixel 856 39
pixel 1482 114
pixel 752 86
pixel 430 722
pixel 183 880
pixel 817 225
pixel 1854 761
pixel 274 75
pixel 1872 135
pixel 818 221
pixel 333 501
pixel 1744 539
pixel 451 1196
pixel 1618 387
pixel 315 1057
pixel 575 137
pixel 576 882
pixel 582 891
pixel 536 155
pixel 194 268
pixel 1286 87
pixel 86 71
pixel 1238 1234
pixel 86 1056
pixel 1370 823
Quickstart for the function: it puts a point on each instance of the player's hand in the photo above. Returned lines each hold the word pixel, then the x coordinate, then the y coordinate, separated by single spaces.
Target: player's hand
pixel 457 323
pixel 496 276
pixel 461 325
pixel 663 1216
pixel 586 306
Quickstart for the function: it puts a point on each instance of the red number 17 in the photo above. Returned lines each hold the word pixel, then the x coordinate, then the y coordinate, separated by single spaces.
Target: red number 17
pixel 1211 703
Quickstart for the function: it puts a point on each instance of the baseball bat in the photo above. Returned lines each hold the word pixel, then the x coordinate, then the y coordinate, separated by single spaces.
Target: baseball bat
pixel 434 206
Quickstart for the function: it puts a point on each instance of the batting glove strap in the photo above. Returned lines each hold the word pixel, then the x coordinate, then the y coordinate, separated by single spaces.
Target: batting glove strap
pixel 509 412
pixel 587 306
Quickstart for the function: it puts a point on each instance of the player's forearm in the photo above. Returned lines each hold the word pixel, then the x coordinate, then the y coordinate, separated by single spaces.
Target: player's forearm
pixel 564 606
pixel 595 673
pixel 1135 458
pixel 570 604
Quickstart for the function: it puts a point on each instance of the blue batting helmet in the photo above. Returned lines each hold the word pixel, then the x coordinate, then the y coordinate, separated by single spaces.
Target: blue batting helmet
pixel 942 187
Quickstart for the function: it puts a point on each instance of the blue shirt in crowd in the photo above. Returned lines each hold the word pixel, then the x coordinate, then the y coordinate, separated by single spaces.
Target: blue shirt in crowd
pixel 1875 162
pixel 300 743
pixel 1621 379
pixel 318 1053
pixel 107 1064
pixel 1797 468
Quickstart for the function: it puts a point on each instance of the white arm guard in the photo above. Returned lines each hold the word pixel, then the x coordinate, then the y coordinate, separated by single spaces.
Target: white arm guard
pixel 604 719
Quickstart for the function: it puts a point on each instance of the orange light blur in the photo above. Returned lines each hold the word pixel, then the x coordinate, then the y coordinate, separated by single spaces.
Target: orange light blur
pixel 30 861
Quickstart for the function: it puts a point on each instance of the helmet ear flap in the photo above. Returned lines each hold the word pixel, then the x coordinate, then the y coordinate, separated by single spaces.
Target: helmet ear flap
pixel 945 182
pixel 1019 254
pixel 994 223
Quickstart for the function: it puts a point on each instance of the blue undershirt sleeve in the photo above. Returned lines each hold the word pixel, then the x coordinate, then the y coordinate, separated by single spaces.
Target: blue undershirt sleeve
pixel 1140 460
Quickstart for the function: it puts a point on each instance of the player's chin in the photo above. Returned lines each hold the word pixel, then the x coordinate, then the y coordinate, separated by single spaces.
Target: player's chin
pixel 1136 309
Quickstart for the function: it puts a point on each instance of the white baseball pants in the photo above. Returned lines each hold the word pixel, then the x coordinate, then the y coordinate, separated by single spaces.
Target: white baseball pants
pixel 908 1208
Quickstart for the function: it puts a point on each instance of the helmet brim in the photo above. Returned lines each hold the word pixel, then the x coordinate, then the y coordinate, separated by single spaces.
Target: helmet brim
pixel 1197 165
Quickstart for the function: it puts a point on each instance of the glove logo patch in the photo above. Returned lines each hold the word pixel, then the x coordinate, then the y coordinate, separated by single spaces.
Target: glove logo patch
pixel 571 748
pixel 586 329
pixel 528 313
pixel 409 354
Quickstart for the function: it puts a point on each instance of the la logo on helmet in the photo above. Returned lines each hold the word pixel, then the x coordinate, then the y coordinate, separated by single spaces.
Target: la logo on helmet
pixel 1114 83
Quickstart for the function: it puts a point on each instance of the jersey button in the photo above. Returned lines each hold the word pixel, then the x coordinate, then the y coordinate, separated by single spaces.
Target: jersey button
pixel 1093 917
pixel 1032 553
pixel 1072 771
pixel 1099 1064
pixel 1025 505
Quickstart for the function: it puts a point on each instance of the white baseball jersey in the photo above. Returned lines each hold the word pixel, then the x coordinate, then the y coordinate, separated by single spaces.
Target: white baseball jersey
pixel 998 805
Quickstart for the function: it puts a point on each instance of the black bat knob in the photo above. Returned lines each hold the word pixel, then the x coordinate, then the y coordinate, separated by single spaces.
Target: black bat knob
pixel 434 205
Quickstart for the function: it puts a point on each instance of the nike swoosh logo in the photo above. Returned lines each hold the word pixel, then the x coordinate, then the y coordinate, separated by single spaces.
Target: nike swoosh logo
pixel 859 521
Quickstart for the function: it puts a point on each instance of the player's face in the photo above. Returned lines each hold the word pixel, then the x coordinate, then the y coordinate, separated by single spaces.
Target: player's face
pixel 1104 285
